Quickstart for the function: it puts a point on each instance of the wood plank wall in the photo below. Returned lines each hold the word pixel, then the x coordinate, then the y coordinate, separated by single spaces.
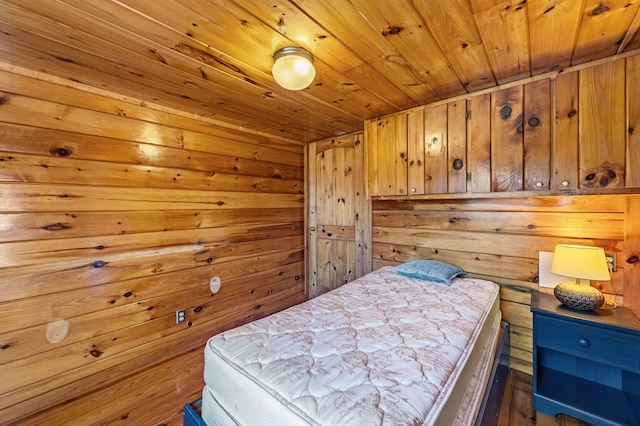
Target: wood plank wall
pixel 114 214
pixel 499 239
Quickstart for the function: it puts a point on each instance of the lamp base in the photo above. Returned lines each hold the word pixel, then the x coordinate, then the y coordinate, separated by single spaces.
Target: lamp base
pixel 578 296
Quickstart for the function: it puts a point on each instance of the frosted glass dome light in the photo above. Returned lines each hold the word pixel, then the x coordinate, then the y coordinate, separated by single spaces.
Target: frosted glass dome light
pixel 293 68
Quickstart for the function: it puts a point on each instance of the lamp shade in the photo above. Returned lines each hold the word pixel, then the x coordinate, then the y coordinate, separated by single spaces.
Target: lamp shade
pixel 580 262
pixel 293 68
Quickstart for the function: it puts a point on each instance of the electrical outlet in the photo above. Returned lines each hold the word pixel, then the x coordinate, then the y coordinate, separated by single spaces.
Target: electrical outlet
pixel 181 316
pixel 611 262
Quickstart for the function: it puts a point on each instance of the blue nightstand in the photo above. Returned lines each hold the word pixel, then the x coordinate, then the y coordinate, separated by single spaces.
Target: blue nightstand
pixel 586 363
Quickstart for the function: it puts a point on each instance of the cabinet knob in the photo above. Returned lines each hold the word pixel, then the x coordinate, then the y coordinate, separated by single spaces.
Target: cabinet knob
pixel 539 184
pixel 413 190
pixel 401 191
pixel 585 343
pixel 564 183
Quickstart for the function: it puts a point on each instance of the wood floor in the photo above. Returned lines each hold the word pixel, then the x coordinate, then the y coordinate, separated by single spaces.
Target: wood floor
pixel 517 405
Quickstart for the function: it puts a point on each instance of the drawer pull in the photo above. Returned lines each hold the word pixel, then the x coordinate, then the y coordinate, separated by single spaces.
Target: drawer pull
pixel 584 342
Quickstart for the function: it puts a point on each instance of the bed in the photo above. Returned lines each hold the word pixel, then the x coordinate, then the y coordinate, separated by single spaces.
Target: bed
pixel 390 348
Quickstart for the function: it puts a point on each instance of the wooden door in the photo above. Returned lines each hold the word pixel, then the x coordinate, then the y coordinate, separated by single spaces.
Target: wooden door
pixel 338 214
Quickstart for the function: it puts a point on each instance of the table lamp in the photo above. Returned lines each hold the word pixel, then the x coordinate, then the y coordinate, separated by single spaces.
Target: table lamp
pixel 579 262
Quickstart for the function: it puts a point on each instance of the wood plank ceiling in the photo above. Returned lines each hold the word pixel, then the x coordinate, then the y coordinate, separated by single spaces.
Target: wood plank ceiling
pixel 214 57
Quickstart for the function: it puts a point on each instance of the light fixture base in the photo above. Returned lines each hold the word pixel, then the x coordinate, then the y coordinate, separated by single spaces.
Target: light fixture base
pixel 293 50
pixel 581 297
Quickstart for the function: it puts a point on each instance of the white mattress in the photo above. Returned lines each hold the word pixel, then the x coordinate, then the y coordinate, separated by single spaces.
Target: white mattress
pixel 381 350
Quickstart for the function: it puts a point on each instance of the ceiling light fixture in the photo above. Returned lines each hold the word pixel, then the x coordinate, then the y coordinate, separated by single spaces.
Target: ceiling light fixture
pixel 293 68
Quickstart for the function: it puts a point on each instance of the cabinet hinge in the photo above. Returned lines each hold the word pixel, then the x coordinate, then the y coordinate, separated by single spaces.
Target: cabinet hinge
pixel 468 176
pixel 468 114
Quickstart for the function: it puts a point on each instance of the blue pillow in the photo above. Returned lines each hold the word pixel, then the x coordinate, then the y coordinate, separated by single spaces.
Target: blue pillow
pixel 429 270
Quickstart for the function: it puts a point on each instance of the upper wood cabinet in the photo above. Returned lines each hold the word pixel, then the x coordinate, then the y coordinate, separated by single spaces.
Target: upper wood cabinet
pixel 422 151
pixel 386 155
pixel 492 142
pixel 509 139
pixel 442 149
pixel 597 114
pixel 577 130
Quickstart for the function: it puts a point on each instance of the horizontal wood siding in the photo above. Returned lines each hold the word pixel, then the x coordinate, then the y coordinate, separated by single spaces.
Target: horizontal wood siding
pixel 113 217
pixel 499 239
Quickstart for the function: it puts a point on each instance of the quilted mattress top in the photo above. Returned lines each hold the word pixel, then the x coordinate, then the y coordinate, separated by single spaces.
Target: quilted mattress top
pixel 383 347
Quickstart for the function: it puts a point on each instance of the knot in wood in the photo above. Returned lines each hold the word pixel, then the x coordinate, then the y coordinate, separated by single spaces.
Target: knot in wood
pixel 99 264
pixel 505 112
pixel 391 30
pixel 601 8
pixel 62 152
pixel 55 227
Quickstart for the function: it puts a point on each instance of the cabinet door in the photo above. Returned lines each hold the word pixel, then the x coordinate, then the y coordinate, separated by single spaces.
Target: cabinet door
pixel 507 150
pixel 596 142
pixel 537 135
pixel 602 125
pixel 633 131
pixel 435 149
pixel 457 147
pixel 415 151
pixel 565 151
pixel 386 149
pixel 479 143
pixel 521 138
pixel 445 152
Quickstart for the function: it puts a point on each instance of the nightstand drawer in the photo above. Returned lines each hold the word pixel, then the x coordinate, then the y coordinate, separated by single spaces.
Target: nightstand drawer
pixel 606 346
